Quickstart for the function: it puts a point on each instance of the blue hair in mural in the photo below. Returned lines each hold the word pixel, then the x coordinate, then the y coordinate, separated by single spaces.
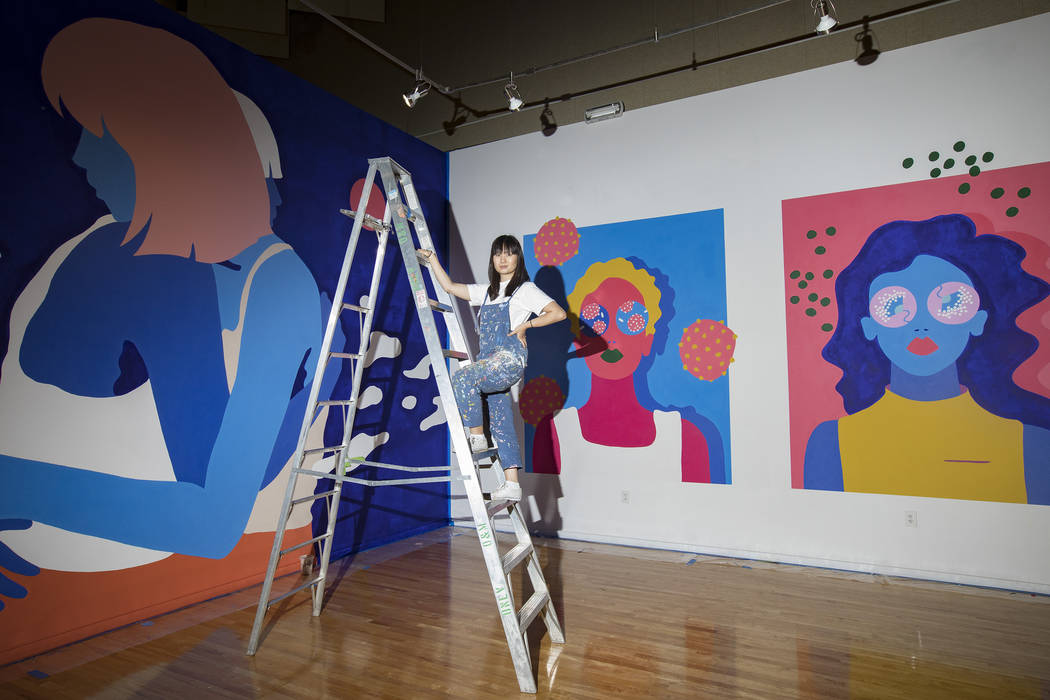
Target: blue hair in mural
pixel 927 306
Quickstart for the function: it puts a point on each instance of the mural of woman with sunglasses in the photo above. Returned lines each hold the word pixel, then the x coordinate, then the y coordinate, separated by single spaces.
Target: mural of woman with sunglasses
pixel 928 342
pixel 615 307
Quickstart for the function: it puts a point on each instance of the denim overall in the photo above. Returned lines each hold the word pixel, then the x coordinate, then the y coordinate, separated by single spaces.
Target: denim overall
pixel 499 366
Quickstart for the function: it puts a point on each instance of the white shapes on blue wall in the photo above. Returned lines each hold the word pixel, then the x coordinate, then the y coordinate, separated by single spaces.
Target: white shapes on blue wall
pixel 370 397
pixel 381 345
pixel 408 403
pixel 421 370
pixel 362 444
pixel 435 418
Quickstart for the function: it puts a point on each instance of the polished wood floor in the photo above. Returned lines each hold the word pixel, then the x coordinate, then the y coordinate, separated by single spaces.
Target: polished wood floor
pixel 416 619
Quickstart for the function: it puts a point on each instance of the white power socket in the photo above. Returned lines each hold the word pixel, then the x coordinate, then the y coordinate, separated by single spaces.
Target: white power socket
pixel 625 497
pixel 911 518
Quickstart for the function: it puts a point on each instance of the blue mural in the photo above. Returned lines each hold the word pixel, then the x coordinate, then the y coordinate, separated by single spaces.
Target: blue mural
pixel 166 277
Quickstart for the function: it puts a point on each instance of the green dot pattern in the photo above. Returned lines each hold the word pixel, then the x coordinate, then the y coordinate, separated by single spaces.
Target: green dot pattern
pixel 959 145
pixel 809 276
pixel 987 157
pixel 803 284
pixel 825 301
pixel 936 172
pixel 998 192
pixel 830 230
pixel 812 296
pixel 1024 192
pixel 970 160
pixel 908 162
pixel 949 164
pixel 825 327
pixel 975 171
pixel 811 312
pixel 794 300
pixel 934 155
pixel 1012 211
pixel 828 274
pixel 964 188
pixel 820 250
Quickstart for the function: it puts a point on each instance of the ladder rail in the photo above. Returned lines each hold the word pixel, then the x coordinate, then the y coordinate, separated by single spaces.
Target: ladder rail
pixel 308 418
pixel 355 390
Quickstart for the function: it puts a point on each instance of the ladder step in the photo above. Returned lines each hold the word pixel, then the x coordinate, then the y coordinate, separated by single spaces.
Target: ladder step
pixel 345 355
pixel 318 450
pixel 455 354
pixel 303 544
pixel 339 402
pixel 313 497
pixel 529 611
pixel 494 507
pixel 400 482
pixel 438 306
pixel 367 463
pixel 355 307
pixel 369 219
pixel 515 556
pixel 379 482
pixel 312 582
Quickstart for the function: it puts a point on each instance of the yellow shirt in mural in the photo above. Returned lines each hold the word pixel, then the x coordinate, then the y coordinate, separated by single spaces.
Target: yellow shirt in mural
pixel 950 448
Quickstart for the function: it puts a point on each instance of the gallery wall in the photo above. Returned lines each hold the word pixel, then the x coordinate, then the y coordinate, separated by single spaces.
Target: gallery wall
pixel 168 255
pixel 786 181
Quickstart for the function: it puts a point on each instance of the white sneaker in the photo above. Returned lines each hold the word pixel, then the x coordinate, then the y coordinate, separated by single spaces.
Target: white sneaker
pixel 507 491
pixel 478 443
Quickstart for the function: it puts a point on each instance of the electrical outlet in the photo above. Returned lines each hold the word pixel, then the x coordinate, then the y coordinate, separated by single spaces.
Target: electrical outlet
pixel 625 497
pixel 911 518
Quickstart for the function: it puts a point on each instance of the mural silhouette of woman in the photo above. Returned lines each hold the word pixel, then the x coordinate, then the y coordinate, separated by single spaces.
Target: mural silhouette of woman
pixel 182 291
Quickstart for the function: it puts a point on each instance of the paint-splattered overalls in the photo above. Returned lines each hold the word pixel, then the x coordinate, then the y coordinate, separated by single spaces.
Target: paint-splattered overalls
pixel 499 366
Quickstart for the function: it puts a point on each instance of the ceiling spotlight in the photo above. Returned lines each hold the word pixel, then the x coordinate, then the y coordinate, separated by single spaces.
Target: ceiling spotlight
pixel 514 101
pixel 866 40
pixel 600 114
pixel 422 88
pixel 547 121
pixel 825 10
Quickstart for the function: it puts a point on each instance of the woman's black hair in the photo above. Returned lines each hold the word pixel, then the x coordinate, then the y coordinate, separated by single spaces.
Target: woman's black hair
pixel 510 245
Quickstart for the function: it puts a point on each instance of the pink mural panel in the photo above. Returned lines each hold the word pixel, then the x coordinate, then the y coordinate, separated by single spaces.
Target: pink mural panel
pixel 824 233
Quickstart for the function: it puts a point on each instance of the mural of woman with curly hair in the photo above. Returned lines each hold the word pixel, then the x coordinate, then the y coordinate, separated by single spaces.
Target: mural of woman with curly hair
pixel 927 341
pixel 615 307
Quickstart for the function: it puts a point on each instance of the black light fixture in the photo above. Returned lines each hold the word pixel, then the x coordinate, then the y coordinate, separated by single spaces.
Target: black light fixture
pixel 866 43
pixel 547 121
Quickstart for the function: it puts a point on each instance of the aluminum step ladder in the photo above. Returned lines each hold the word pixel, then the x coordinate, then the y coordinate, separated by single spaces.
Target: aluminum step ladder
pixel 402 215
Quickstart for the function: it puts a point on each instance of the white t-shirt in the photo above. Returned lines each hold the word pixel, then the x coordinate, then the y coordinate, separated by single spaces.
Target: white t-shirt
pixel 527 299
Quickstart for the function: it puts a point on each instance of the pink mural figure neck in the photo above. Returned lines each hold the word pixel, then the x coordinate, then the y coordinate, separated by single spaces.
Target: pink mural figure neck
pixel 626 425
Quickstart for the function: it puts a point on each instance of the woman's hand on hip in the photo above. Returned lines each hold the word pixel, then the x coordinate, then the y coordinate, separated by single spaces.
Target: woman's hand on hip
pixel 520 332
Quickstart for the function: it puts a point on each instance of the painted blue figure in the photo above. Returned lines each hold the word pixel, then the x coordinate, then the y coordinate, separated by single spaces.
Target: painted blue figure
pixel 507 304
pixel 927 340
pixel 202 300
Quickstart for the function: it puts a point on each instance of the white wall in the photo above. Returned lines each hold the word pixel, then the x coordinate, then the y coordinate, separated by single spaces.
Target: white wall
pixel 745 150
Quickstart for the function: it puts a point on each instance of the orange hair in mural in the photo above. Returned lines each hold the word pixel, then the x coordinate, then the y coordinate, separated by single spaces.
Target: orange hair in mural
pixel 197 180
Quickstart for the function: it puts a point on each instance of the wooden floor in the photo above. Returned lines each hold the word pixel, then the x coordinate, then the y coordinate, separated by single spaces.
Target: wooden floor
pixel 417 619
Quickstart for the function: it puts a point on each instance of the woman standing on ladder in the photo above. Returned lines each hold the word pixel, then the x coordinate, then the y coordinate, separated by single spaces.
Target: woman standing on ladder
pixel 507 304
